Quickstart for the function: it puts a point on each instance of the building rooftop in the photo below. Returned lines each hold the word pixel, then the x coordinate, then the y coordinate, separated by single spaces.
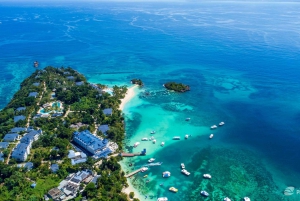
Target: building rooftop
pixel 18 129
pixel 4 145
pixel 19 150
pixel 70 77
pixel 18 118
pixel 36 84
pixel 103 128
pixel 30 137
pixel 20 109
pixel 107 111
pixel 10 137
pixel 79 83
pixel 54 168
pixel 1 157
pixel 33 94
pixel 28 165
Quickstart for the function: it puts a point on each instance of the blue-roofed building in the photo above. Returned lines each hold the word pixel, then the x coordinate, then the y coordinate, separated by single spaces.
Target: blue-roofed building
pixel 79 83
pixel 18 129
pixel 18 118
pixel 28 165
pixel 10 137
pixel 4 145
pixel 19 109
pixel 31 137
pixel 54 168
pixel 1 157
pixel 36 84
pixel 108 111
pixel 67 73
pixel 33 94
pixel 103 128
pixel 21 152
pixel 91 143
pixel 70 77
pixel 33 185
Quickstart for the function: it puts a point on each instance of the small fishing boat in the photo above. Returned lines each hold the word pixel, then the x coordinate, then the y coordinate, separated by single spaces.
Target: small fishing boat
pixel 247 199
pixel 144 139
pixel 184 171
pixel 221 123
pixel 154 141
pixel 186 136
pixel 152 132
pixel 176 138
pixel 187 119
pixel 36 64
pixel 136 144
pixel 162 199
pixel 166 174
pixel 162 144
pixel 226 199
pixel 144 169
pixel 204 193
pixel 182 165
pixel 130 164
pixel 151 160
pixel 211 136
pixel 173 189
pixel 145 176
pixel 207 176
pixel 213 127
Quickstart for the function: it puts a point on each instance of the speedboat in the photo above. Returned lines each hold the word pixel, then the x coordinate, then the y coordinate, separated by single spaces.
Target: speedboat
pixel 246 199
pixel 176 138
pixel 184 171
pixel 221 123
pixel 182 165
pixel 162 199
pixel 145 176
pixel 173 189
pixel 166 174
pixel 144 169
pixel 226 199
pixel 186 136
pixel 144 139
pixel 151 138
pixel 154 141
pixel 204 193
pixel 136 144
pixel 211 136
pixel 151 160
pixel 152 132
pixel 207 176
pixel 213 127
pixel 162 144
pixel 187 119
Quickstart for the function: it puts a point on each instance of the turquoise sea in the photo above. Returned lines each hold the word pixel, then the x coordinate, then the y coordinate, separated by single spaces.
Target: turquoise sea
pixel 241 60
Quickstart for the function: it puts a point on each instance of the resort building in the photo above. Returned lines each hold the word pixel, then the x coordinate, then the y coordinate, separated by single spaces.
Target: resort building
pixel 36 84
pixel 18 129
pixel 77 157
pixel 79 83
pixel 18 118
pixel 19 109
pixel 56 194
pixel 92 144
pixel 21 152
pixel 33 94
pixel 103 128
pixel 108 111
pixel 31 137
pixel 70 77
pixel 1 157
pixel 28 165
pixel 11 137
pixel 4 145
pixel 54 168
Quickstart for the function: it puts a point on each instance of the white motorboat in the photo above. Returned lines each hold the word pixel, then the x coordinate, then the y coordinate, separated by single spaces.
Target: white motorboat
pixel 213 127
pixel 152 132
pixel 144 139
pixel 176 138
pixel 226 199
pixel 151 160
pixel 162 144
pixel 182 165
pixel 247 199
pixel 166 174
pixel 211 136
pixel 184 171
pixel 154 141
pixel 186 136
pixel 221 123
pixel 144 169
pixel 162 199
pixel 204 193
pixel 207 176
pixel 187 119
pixel 151 138
pixel 136 144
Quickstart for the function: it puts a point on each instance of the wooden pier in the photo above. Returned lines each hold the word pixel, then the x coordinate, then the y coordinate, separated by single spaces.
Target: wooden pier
pixel 133 173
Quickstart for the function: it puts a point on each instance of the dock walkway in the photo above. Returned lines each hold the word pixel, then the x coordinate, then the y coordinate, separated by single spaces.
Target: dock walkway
pixel 133 173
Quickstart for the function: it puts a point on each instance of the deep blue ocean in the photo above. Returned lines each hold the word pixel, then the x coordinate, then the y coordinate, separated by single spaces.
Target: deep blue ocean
pixel 241 60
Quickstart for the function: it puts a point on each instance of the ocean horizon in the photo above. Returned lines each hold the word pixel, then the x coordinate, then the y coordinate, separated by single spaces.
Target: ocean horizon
pixel 240 59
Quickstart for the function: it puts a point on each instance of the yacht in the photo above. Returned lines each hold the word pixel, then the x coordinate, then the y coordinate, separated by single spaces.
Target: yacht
pixel 162 199
pixel 184 171
pixel 182 165
pixel 246 199
pixel 187 119
pixel 221 123
pixel 144 169
pixel 176 138
pixel 173 189
pixel 207 176
pixel 136 144
pixel 226 199
pixel 151 160
pixel 152 132
pixel 211 136
pixel 162 144
pixel 213 127
pixel 144 139
pixel 186 136
pixel 166 174
pixel 154 141
pixel 204 193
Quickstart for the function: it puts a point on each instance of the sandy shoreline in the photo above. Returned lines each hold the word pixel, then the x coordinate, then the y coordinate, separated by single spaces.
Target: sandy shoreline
pixel 129 95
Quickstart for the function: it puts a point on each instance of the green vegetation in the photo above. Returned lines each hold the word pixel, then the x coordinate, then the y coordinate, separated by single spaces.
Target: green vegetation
pixel 179 87
pixel 137 81
pixel 82 104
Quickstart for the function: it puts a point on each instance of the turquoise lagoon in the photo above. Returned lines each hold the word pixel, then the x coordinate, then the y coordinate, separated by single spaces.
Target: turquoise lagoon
pixel 240 59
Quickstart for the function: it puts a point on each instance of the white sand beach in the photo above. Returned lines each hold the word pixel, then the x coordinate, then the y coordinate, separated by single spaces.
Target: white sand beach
pixel 129 95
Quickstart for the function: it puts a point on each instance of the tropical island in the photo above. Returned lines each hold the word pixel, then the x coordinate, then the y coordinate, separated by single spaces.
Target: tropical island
pixel 137 81
pixel 178 87
pixel 60 137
